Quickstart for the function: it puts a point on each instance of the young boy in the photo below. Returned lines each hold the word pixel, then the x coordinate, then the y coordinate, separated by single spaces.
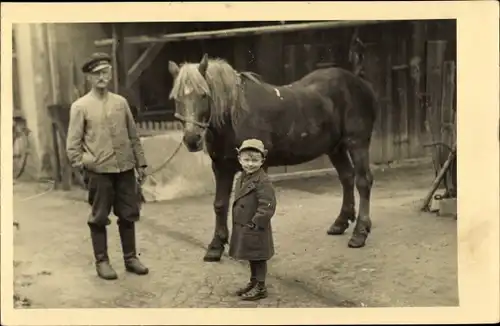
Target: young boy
pixel 253 207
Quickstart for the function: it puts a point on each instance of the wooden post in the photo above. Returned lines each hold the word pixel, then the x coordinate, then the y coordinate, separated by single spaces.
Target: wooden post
pixel 386 95
pixel 448 93
pixel 448 135
pixel 57 170
pixel 417 74
pixel 119 69
pixel 114 56
pixel 60 143
pixel 435 59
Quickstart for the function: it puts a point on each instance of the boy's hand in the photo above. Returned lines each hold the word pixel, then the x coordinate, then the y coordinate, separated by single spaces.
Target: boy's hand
pixel 253 226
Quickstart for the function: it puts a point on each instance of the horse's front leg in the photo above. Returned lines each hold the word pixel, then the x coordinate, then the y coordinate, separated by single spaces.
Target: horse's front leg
pixel 224 177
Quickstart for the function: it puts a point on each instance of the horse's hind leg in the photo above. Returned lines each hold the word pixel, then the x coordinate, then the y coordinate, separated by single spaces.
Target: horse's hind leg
pixel 345 171
pixel 364 181
pixel 224 177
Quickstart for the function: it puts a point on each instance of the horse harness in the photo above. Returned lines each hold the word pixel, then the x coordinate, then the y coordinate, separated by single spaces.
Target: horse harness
pixel 203 125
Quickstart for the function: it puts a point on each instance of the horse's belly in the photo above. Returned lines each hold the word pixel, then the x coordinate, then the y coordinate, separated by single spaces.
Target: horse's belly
pixel 298 151
pixel 280 159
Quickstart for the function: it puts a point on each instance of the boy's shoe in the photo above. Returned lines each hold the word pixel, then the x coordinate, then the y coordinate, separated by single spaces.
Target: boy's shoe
pixel 256 293
pixel 247 288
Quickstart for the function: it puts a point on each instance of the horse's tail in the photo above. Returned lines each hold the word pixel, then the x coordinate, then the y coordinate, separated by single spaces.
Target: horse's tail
pixel 371 99
pixel 358 94
pixel 375 102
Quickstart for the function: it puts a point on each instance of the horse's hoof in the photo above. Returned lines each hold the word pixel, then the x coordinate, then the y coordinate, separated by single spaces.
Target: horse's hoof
pixel 337 229
pixel 213 255
pixel 357 241
pixel 211 259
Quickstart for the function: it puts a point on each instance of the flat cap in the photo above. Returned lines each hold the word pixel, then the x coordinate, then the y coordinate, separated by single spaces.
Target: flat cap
pixel 253 144
pixel 96 62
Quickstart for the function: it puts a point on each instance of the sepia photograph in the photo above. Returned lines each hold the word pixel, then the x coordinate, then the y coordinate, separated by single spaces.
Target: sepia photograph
pixel 234 164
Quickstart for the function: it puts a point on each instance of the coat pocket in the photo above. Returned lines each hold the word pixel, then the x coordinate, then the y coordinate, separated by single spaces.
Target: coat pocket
pixel 253 239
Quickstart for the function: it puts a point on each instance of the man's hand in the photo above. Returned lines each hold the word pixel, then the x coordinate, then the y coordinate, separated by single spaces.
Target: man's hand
pixel 141 174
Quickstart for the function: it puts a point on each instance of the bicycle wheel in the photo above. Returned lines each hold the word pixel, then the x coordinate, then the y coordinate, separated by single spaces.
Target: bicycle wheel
pixel 20 154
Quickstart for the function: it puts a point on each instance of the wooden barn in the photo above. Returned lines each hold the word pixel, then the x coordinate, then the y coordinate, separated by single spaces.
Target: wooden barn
pixel 411 65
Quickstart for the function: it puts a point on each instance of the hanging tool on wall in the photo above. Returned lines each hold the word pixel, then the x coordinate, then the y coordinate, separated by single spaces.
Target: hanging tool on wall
pixel 356 53
pixel 449 164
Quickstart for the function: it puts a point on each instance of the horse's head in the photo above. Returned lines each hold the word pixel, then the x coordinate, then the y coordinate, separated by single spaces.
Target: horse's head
pixel 192 101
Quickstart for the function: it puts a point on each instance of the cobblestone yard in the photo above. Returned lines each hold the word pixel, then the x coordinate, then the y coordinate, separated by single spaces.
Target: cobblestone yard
pixel 410 258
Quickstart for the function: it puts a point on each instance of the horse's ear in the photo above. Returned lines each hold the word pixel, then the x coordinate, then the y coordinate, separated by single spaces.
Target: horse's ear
pixel 173 68
pixel 203 64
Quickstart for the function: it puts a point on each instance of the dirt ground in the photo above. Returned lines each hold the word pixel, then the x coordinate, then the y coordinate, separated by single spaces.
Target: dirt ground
pixel 410 258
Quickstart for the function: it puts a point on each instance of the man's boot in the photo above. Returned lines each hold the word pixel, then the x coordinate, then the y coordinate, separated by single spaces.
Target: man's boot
pixel 127 237
pixel 100 246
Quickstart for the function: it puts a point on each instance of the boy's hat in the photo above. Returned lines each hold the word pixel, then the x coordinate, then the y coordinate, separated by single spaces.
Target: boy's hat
pixel 96 62
pixel 253 144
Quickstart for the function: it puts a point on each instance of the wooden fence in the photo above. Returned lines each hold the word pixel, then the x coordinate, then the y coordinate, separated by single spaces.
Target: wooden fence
pixel 150 128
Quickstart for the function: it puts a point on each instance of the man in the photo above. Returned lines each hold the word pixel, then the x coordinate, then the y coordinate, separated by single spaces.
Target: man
pixel 102 141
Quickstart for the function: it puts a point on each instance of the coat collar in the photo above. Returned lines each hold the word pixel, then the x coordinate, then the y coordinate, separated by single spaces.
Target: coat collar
pixel 247 184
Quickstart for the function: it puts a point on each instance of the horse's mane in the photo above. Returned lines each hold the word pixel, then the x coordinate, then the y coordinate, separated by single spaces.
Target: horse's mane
pixel 222 83
pixel 255 77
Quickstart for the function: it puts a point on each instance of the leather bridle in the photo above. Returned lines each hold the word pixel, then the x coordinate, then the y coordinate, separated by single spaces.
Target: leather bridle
pixel 203 125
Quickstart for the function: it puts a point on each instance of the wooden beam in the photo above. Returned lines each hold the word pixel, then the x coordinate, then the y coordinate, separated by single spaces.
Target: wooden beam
pixel 143 63
pixel 233 32
pixel 119 69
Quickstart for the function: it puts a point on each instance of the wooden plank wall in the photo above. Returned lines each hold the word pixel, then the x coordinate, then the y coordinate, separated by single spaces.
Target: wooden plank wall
pixel 435 59
pixel 405 62
pixel 374 68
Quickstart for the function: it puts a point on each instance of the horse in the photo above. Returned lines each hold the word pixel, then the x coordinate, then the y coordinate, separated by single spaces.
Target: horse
pixel 329 111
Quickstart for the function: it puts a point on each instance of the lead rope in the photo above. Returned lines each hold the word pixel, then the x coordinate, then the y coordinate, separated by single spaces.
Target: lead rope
pixel 52 187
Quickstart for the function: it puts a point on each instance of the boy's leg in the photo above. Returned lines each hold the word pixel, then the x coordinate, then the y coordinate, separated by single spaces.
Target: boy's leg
pixel 261 272
pixel 253 270
pixel 253 280
pixel 259 291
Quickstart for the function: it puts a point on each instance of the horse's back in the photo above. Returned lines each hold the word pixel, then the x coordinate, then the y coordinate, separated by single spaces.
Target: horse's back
pixel 298 123
pixel 276 101
pixel 309 117
pixel 351 95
